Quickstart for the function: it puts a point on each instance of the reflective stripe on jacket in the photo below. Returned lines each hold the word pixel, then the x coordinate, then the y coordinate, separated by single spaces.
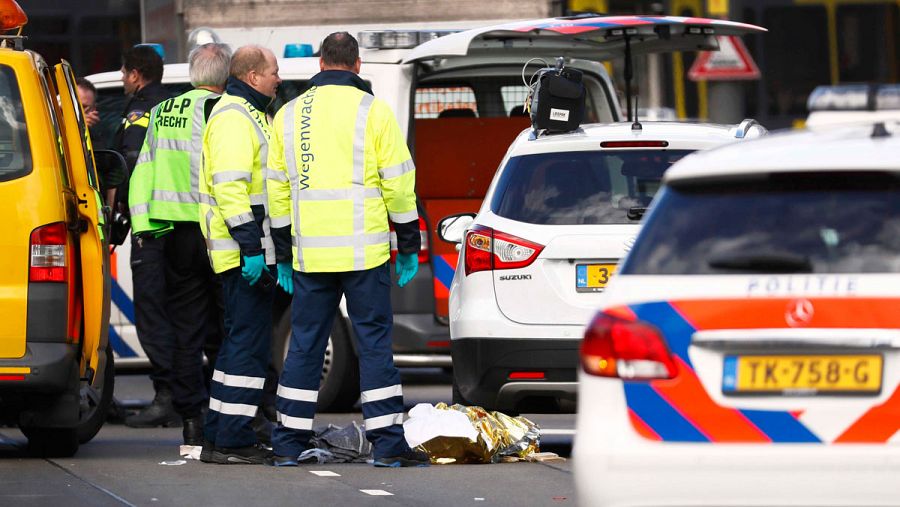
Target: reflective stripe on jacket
pixel 339 168
pixel 164 187
pixel 232 184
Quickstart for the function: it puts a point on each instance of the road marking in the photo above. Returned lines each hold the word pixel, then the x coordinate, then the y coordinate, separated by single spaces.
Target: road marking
pixel 557 432
pixel 376 492
pixel 324 473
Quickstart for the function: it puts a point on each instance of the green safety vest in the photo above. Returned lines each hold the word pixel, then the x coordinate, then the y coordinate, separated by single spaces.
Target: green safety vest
pixel 164 187
pixel 339 168
pixel 232 179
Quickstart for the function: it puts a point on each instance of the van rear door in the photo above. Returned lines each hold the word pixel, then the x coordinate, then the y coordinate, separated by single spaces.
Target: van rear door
pixel 594 38
pixel 94 252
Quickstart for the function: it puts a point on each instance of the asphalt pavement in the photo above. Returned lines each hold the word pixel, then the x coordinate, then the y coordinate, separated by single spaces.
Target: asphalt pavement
pixel 127 466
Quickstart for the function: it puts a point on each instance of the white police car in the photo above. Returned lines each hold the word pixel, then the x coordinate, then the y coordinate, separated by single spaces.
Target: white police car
pixel 747 351
pixel 535 261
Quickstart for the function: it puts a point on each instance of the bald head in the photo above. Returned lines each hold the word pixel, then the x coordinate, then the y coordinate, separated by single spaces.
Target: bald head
pixel 256 66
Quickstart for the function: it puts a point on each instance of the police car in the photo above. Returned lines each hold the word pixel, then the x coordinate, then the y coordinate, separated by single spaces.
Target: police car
pixel 747 351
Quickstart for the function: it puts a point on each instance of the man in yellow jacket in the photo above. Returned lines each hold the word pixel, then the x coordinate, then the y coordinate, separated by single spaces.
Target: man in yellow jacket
pixel 339 171
pixel 235 223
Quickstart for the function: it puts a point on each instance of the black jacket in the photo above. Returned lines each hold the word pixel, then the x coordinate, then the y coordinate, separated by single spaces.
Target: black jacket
pixel 130 136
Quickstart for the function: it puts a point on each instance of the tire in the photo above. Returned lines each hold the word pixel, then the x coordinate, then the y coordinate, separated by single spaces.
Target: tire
pixel 52 442
pixel 95 404
pixel 339 388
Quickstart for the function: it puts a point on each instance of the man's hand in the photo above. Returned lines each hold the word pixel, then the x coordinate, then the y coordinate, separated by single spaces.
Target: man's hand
pixel 92 118
pixel 286 276
pixel 253 267
pixel 406 267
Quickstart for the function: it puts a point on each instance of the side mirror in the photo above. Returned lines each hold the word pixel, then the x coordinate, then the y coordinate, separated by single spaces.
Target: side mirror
pixel 111 169
pixel 452 228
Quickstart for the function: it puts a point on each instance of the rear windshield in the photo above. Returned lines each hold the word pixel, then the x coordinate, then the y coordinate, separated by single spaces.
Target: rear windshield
pixel 15 151
pixel 789 223
pixel 581 187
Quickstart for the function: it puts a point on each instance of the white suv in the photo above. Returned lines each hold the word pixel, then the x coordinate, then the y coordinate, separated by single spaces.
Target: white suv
pixel 748 352
pixel 534 262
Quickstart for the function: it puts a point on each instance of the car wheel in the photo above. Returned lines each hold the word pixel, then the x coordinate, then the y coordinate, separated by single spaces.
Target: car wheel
pixel 52 442
pixel 339 388
pixel 94 402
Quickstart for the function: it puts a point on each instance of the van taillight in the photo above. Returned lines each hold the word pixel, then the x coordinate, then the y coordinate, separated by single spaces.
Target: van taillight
pixel 423 248
pixel 48 253
pixel 628 349
pixel 487 249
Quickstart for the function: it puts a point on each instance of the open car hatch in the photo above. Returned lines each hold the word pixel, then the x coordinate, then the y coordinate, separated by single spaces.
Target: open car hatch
pixel 589 38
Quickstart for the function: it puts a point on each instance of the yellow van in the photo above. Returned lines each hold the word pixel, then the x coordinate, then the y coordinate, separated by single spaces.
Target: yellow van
pixel 56 371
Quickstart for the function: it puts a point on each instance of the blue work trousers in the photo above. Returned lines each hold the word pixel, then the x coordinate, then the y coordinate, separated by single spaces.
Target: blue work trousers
pixel 237 383
pixel 315 304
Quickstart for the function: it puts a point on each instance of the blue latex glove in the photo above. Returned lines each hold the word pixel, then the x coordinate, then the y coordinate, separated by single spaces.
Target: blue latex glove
pixel 286 276
pixel 253 267
pixel 406 267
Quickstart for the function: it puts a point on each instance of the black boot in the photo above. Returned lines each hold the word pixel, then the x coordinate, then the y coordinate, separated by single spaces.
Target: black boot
pixel 192 430
pixel 263 428
pixel 159 413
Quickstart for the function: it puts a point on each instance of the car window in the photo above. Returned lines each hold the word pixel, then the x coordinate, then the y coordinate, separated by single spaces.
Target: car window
pixel 831 223
pixel 71 88
pixel 583 187
pixel 15 151
pixel 444 101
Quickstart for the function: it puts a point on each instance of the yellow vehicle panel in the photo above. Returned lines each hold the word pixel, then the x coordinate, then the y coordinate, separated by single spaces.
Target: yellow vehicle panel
pixel 25 202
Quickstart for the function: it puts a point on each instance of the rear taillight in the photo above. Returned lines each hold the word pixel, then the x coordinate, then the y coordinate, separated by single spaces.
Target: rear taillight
pixel 423 249
pixel 48 253
pixel 487 249
pixel 628 349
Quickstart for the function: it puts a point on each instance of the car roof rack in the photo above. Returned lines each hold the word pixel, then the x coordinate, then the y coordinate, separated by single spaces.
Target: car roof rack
pixel 17 41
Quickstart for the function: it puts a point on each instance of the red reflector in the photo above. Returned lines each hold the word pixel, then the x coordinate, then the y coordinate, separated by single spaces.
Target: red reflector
pixel 634 144
pixel 526 375
pixel 12 377
pixel 439 343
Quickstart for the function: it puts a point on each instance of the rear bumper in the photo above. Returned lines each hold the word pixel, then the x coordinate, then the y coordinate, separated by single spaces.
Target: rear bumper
pixel 614 466
pixel 482 369
pixel 51 368
pixel 737 475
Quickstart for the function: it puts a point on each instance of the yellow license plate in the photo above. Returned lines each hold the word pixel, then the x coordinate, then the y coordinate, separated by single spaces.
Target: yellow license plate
pixel 802 374
pixel 593 277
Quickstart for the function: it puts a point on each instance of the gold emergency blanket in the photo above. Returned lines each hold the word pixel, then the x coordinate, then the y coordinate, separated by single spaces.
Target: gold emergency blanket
pixel 499 435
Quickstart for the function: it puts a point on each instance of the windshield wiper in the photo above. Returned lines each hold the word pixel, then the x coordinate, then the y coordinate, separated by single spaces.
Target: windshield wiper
pixel 764 262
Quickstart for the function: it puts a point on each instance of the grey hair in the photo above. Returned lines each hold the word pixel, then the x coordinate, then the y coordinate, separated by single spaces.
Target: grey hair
pixel 208 64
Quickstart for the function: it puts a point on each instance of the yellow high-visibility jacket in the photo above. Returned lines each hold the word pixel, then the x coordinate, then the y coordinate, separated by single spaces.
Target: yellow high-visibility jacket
pixel 232 182
pixel 339 167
